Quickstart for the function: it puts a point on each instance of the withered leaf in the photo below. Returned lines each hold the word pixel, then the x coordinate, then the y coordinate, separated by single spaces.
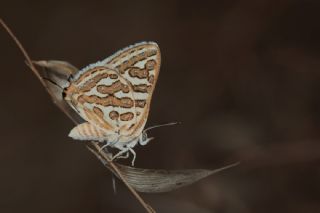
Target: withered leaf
pixel 55 74
pixel 156 180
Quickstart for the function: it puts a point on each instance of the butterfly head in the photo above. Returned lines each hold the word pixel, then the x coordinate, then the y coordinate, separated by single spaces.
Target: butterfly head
pixel 143 140
pixel 144 136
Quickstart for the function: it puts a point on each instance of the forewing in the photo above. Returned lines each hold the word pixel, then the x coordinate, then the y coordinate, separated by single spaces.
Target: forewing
pixel 103 98
pixel 139 64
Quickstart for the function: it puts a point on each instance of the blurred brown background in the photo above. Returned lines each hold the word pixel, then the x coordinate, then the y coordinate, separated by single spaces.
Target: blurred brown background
pixel 242 77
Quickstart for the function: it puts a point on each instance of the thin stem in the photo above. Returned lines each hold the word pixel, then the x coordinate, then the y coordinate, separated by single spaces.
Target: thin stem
pixel 104 155
pixel 24 52
pixel 118 172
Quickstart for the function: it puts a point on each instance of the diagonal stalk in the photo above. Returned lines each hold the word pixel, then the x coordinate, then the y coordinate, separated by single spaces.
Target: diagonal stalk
pixel 147 207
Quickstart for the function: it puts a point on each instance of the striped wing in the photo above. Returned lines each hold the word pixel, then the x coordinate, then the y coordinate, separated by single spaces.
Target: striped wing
pixel 139 64
pixel 103 98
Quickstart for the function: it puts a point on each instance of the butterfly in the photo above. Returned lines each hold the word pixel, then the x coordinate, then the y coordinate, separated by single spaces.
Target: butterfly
pixel 113 97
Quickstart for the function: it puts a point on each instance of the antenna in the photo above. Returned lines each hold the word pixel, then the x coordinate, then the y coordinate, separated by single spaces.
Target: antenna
pixel 161 125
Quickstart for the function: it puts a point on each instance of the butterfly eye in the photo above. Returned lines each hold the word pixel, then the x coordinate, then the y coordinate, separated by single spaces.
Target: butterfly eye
pixel 144 136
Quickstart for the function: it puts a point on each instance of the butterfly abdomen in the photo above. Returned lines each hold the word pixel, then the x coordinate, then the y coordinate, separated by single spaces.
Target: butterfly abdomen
pixel 86 131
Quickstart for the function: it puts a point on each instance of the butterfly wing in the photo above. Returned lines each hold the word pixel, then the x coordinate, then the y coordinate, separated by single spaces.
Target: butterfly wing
pixel 103 98
pixel 139 65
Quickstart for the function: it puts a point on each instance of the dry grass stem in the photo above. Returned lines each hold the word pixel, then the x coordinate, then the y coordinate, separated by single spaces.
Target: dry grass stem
pixel 102 154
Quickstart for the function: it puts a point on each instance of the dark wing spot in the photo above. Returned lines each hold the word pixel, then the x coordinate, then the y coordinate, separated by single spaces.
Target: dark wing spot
pixel 98 112
pixel 139 73
pixel 151 79
pixel 142 88
pixel 114 115
pixel 126 116
pixel 140 103
pixel 113 76
pixel 150 64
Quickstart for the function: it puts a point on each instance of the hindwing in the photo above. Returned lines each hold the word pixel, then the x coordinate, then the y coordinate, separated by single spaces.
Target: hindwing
pixel 139 64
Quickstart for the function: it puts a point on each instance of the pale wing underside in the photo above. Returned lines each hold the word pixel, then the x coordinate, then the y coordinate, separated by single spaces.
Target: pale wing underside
pixel 104 99
pixel 139 64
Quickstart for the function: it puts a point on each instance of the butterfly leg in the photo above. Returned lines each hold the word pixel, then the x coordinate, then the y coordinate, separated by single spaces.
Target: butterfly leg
pixel 103 147
pixel 124 156
pixel 106 145
pixel 118 155
pixel 134 155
